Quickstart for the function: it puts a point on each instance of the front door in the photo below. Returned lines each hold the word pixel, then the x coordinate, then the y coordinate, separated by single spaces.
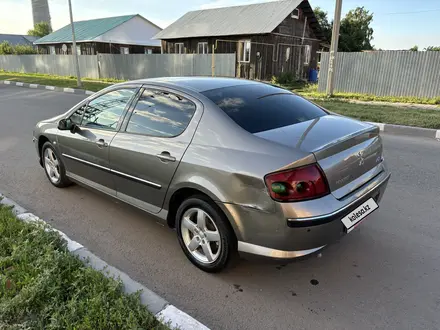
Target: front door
pixel 146 152
pixel 85 153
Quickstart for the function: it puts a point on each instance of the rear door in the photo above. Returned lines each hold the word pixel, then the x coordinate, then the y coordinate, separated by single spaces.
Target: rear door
pixel 85 152
pixel 146 152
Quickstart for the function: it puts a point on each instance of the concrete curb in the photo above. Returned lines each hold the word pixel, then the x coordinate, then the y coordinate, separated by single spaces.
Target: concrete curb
pixel 409 130
pixel 163 311
pixel 51 88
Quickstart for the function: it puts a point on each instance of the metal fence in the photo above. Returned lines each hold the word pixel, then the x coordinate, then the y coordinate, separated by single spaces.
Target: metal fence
pixel 385 73
pixel 127 67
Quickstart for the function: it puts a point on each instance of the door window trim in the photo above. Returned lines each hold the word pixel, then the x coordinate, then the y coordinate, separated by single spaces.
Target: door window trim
pixel 123 128
pixel 124 113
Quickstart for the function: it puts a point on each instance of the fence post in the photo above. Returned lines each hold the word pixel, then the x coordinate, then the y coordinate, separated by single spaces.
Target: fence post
pixel 213 61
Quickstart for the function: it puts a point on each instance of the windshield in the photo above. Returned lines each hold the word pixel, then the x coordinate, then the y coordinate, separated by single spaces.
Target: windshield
pixel 262 107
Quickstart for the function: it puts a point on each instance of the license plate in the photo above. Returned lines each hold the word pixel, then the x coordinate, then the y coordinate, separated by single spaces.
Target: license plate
pixel 351 220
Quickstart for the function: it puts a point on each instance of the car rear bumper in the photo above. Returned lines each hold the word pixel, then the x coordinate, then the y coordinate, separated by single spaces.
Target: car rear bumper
pixel 276 235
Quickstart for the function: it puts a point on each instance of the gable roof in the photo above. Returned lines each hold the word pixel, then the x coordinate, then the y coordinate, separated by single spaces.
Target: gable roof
pixel 17 39
pixel 84 30
pixel 237 20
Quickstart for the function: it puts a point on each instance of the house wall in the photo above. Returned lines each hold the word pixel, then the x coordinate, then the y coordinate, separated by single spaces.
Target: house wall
pixel 269 52
pixel 93 48
pixel 136 31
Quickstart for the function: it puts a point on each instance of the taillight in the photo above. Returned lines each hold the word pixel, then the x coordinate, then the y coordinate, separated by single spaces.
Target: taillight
pixel 297 184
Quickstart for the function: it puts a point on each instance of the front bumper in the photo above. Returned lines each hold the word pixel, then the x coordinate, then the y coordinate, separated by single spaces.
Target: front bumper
pixel 276 235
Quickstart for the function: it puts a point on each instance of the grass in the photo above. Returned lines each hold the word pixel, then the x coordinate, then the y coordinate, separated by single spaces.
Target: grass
pixel 311 91
pixel 43 286
pixel 58 81
pixel 385 114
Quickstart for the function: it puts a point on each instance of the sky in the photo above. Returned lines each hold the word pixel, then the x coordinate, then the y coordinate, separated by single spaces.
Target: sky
pixel 398 24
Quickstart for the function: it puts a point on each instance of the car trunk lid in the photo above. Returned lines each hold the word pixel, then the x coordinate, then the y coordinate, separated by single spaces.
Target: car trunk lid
pixel 348 151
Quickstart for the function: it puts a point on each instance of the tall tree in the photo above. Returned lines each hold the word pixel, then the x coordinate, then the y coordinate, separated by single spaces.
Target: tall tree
pixel 356 33
pixel 40 30
pixel 414 48
pixel 326 26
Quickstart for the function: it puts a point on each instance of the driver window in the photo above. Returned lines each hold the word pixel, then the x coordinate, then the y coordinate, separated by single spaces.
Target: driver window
pixel 76 117
pixel 105 111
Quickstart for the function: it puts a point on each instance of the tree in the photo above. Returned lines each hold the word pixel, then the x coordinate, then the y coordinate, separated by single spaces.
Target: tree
pixel 432 49
pixel 355 33
pixel 414 48
pixel 40 30
pixel 326 26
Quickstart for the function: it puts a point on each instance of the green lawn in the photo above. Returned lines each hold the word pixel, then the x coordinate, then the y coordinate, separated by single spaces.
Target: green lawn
pixel 43 286
pixel 311 91
pixel 57 81
pixel 385 114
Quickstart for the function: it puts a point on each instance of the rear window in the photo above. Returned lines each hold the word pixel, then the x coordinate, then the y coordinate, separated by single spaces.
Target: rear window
pixel 260 107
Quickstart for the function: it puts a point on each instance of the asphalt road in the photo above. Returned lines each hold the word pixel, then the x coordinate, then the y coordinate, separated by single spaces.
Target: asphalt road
pixel 386 275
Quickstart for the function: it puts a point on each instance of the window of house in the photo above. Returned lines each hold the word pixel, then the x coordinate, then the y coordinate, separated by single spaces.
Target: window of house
pixel 287 54
pixel 161 114
pixel 179 48
pixel 125 50
pixel 245 50
pixel 52 50
pixel 202 48
pixel 105 111
pixel 295 13
pixel 78 50
pixel 148 50
pixel 307 54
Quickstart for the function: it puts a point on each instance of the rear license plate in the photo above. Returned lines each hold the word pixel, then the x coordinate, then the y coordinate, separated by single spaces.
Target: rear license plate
pixel 356 216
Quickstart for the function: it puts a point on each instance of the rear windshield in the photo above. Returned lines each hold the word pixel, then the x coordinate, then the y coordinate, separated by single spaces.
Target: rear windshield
pixel 261 107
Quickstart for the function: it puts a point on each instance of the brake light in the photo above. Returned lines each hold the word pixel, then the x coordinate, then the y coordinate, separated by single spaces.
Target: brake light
pixel 297 184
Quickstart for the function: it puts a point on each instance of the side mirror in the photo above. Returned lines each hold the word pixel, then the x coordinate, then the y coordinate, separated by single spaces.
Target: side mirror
pixel 67 125
pixel 63 125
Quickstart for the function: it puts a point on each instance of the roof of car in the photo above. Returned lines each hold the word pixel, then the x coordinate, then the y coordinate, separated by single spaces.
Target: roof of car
pixel 198 84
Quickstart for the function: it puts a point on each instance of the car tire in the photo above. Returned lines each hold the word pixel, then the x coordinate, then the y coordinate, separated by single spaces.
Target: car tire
pixel 54 166
pixel 219 252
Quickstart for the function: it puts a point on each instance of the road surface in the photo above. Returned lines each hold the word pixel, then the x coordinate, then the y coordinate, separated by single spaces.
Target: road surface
pixel 385 275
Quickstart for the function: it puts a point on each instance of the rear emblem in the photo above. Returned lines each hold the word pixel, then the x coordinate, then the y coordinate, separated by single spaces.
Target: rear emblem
pixel 361 158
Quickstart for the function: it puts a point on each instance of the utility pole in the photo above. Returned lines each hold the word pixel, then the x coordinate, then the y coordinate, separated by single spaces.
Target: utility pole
pixel 74 52
pixel 334 48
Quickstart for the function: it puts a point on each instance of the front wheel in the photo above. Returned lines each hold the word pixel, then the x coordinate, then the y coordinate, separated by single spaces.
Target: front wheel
pixel 54 167
pixel 204 234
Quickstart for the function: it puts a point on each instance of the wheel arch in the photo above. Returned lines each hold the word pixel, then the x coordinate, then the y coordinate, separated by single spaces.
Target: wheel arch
pixel 182 193
pixel 42 139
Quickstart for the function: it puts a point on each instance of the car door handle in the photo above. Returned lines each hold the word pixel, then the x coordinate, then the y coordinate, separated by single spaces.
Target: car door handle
pixel 166 157
pixel 101 143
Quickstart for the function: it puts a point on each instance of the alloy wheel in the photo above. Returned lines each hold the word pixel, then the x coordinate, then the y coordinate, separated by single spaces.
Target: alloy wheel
pixel 52 165
pixel 201 235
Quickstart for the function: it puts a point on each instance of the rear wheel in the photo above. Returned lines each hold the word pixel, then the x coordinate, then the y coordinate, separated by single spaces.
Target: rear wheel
pixel 54 167
pixel 204 234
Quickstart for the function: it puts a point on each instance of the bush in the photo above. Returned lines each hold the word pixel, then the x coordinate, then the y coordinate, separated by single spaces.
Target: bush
pixel 8 49
pixel 286 78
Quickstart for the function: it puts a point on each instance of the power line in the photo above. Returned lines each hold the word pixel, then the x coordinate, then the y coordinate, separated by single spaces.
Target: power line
pixel 409 12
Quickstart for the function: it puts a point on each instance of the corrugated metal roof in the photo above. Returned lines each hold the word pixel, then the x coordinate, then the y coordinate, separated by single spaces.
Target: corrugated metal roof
pixel 250 19
pixel 17 39
pixel 84 30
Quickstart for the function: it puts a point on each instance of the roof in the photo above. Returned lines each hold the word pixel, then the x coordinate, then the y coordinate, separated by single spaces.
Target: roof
pixel 257 18
pixel 17 39
pixel 198 84
pixel 84 30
